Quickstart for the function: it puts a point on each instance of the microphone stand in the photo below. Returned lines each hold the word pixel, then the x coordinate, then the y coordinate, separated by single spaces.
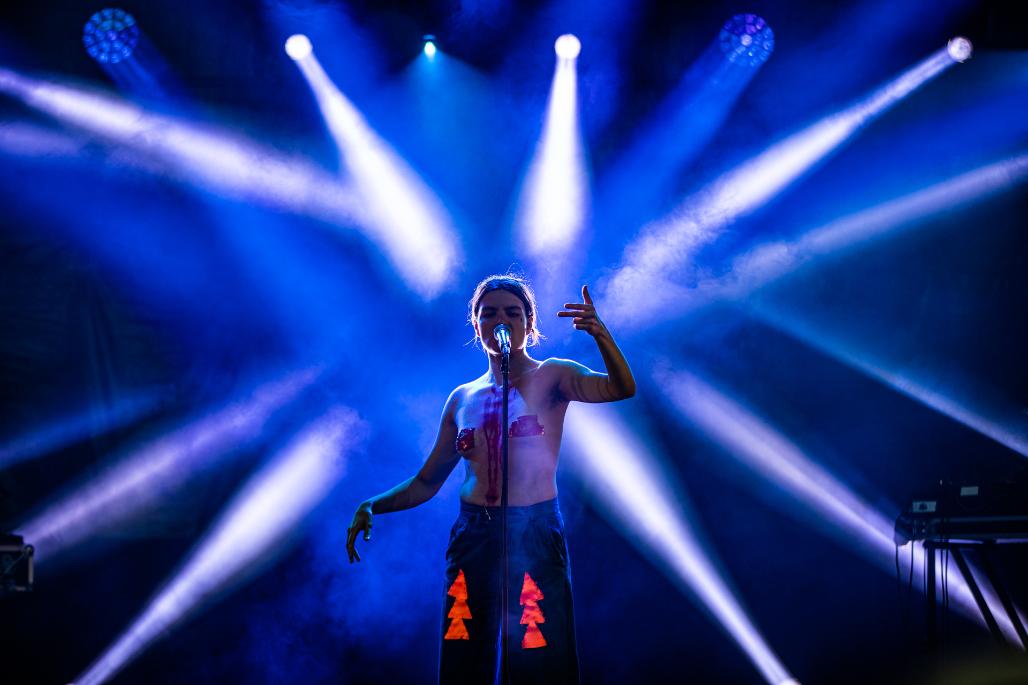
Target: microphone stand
pixel 505 597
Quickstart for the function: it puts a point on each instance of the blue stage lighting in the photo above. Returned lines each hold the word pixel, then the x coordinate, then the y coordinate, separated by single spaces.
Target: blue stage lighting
pixel 747 39
pixel 568 46
pixel 298 46
pixel 110 35
pixel 430 48
pixel 959 49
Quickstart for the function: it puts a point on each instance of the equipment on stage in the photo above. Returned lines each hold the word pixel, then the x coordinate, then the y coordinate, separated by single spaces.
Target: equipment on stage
pixel 989 511
pixel 16 564
pixel 961 518
pixel 502 335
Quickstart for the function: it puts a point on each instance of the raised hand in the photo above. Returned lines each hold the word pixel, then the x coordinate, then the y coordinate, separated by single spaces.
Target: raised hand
pixel 584 313
pixel 361 522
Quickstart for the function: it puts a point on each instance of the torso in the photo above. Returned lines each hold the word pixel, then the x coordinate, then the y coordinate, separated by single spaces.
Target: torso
pixel 535 424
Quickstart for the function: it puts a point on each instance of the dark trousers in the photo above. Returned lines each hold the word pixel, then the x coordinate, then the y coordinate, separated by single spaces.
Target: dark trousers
pixel 540 620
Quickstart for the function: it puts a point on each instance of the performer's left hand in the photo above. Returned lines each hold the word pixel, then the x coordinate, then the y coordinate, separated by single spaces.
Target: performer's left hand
pixel 585 317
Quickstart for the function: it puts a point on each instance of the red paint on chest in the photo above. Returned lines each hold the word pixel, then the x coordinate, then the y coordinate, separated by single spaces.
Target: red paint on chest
pixel 526 426
pixel 491 424
pixel 466 440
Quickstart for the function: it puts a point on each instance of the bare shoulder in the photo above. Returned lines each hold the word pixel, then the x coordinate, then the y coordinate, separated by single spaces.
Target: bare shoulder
pixel 567 377
pixel 464 392
pixel 457 399
pixel 564 367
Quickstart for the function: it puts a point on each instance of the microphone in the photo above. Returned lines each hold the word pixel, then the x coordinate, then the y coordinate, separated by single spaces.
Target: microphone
pixel 502 335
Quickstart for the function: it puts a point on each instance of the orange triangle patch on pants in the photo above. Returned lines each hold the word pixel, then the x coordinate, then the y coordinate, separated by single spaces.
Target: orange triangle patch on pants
pixel 532 615
pixel 459 611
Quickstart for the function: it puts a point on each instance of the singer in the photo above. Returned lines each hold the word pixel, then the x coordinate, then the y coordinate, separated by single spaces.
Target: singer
pixel 540 617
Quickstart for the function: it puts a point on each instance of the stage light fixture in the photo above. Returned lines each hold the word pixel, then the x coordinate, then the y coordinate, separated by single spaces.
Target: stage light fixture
pixel 552 208
pixel 568 46
pixel 110 35
pixel 430 47
pixel 747 39
pixel 959 48
pixel 647 284
pixel 298 46
pixel 408 220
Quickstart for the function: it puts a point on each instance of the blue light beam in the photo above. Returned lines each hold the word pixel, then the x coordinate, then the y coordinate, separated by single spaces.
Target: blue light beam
pixel 148 474
pixel 639 184
pixel 771 262
pixel 964 400
pixel 213 160
pixel 638 292
pixel 406 218
pixel 621 471
pixel 553 204
pixel 774 457
pixel 75 427
pixel 252 531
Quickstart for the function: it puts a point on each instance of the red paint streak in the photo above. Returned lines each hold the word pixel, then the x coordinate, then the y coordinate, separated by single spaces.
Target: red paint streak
pixel 491 424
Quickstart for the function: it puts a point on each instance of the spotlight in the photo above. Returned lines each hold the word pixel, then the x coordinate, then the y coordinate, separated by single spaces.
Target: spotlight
pixel 110 35
pixel 959 49
pixel 747 39
pixel 552 207
pixel 430 48
pixel 411 222
pixel 568 46
pixel 667 244
pixel 298 46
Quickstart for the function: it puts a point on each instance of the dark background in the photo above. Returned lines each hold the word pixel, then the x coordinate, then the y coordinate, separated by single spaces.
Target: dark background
pixel 115 281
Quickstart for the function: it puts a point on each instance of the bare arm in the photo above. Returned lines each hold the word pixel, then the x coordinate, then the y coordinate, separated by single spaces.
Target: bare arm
pixel 582 384
pixel 415 490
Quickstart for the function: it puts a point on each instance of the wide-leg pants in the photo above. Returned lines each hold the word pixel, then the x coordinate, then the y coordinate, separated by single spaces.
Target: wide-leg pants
pixel 540 619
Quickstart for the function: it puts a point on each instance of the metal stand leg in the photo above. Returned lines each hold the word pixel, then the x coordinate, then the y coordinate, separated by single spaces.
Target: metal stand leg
pixel 929 585
pixel 1004 596
pixel 979 599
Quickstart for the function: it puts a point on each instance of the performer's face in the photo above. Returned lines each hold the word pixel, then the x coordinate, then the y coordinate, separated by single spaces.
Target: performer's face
pixel 501 306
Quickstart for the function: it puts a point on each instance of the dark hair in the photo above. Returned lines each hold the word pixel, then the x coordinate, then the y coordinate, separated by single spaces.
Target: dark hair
pixel 512 283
